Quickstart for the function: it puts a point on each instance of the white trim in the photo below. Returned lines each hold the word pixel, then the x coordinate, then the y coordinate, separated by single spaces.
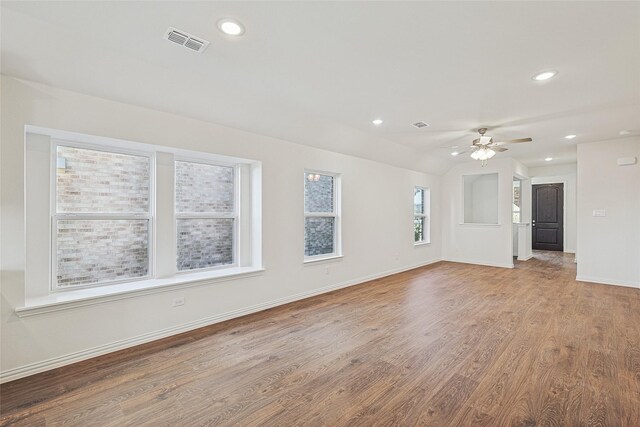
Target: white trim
pixel 318 258
pixel 421 243
pixel 487 264
pixel 527 258
pixel 56 362
pixel 607 281
pixel 99 295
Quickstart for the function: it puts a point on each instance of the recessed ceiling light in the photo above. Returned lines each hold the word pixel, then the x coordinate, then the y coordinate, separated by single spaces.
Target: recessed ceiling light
pixel 230 27
pixel 376 121
pixel 548 159
pixel 545 75
pixel 570 136
pixel 454 153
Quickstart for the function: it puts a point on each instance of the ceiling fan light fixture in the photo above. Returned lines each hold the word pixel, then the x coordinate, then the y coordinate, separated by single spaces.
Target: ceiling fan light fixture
pixel 483 154
pixel 454 153
pixel 570 136
pixel 548 159
pixel 545 75
pixel 377 122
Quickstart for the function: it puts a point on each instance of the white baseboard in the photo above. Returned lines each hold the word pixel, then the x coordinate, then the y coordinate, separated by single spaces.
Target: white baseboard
pixel 56 362
pixel 606 281
pixel 468 261
pixel 527 258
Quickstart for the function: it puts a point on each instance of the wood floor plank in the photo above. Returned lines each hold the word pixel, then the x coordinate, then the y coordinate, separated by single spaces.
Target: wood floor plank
pixel 445 345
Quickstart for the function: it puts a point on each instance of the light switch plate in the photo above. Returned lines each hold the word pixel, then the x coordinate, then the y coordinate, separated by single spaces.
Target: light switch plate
pixel 599 212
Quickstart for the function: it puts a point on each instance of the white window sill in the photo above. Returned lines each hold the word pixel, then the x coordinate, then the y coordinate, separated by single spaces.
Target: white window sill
pixel 78 298
pixel 421 243
pixel 324 258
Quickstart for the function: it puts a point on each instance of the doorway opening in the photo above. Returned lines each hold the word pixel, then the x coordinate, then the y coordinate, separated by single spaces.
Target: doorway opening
pixel 547 217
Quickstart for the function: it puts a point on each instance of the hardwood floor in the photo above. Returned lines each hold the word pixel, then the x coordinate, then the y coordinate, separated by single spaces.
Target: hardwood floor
pixel 444 345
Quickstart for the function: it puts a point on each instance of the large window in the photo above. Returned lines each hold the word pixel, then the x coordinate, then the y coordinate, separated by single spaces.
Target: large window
pixel 206 215
pixel 321 215
pixel 101 219
pixel 421 215
pixel 119 216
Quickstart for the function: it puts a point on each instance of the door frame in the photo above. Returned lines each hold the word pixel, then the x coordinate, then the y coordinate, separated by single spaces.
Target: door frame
pixel 564 206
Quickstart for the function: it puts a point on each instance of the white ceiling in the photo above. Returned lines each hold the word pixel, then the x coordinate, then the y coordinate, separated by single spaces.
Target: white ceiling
pixel 317 73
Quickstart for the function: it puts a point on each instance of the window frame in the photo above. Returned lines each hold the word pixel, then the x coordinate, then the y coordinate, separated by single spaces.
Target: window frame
pixel 425 215
pixel 235 215
pixel 514 206
pixel 336 214
pixel 54 216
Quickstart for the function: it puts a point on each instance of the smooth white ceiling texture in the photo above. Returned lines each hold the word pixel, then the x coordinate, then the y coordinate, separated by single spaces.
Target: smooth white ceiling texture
pixel 317 73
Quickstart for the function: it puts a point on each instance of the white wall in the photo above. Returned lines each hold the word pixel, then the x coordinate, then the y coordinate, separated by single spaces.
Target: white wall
pixel 475 243
pixel 609 247
pixel 566 174
pixel 377 208
pixel 481 199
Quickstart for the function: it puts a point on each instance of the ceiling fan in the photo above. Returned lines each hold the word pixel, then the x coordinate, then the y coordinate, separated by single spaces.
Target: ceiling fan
pixel 484 147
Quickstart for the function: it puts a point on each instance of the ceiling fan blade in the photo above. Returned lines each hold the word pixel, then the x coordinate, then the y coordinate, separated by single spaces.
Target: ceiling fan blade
pixel 514 141
pixel 455 147
pixel 498 149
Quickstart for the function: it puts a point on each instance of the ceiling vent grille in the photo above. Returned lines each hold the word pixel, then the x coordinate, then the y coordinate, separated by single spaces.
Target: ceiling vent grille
pixel 185 39
pixel 420 125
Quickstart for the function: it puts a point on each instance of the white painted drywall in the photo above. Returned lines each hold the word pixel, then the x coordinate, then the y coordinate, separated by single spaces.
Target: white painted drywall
pixel 377 208
pixel 566 174
pixel 481 199
pixel 609 246
pixel 475 243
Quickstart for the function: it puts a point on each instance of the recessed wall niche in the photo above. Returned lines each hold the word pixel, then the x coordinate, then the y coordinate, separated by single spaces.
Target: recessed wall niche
pixel 481 199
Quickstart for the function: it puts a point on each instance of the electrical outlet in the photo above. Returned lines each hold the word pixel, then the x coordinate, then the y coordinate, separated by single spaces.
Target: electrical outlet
pixel 178 301
pixel 599 212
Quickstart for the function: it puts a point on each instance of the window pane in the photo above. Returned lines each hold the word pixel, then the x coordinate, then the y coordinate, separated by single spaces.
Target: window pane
pixel 94 251
pixel 203 188
pixel 418 201
pixel 101 182
pixel 204 242
pixel 516 193
pixel 418 228
pixel 318 193
pixel 318 236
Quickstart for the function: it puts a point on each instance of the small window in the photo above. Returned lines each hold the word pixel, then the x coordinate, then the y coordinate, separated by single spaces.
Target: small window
pixel 206 217
pixel 101 217
pixel 421 226
pixel 515 213
pixel 322 221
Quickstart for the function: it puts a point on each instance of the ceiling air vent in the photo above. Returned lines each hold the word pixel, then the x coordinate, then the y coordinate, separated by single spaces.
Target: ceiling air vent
pixel 420 125
pixel 185 39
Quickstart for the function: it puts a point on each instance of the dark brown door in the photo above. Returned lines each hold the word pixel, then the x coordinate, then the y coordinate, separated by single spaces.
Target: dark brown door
pixel 547 217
